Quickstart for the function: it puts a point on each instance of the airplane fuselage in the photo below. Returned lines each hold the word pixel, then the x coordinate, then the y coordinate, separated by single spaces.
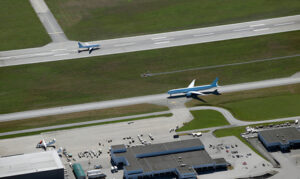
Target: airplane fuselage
pixel 186 90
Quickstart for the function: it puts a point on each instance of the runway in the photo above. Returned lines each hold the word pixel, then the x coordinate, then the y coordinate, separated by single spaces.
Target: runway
pixel 69 49
pixel 161 98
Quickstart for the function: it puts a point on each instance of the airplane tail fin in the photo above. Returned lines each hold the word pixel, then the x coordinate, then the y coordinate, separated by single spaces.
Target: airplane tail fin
pixel 215 83
pixel 80 45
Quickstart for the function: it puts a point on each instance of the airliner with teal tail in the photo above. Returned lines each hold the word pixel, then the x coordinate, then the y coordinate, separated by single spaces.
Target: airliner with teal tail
pixel 193 90
pixel 88 47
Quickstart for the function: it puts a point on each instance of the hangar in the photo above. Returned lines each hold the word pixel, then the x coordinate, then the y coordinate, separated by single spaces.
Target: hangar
pixel 46 165
pixel 282 139
pixel 183 159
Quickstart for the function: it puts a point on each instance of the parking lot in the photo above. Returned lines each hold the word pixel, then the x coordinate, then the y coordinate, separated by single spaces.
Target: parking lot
pixel 244 161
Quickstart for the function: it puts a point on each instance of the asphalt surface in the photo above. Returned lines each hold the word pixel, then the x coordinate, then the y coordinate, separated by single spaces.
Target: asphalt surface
pixel 162 98
pixel 46 17
pixel 69 49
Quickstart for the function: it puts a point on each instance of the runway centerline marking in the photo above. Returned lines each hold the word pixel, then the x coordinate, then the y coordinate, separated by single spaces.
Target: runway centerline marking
pixel 58 49
pixel 41 54
pixel 55 33
pixel 200 35
pixel 62 54
pixel 125 44
pixel 163 42
pixel 256 25
pixel 287 23
pixel 256 30
pixel 30 55
pixel 158 38
pixel 3 58
pixel 238 30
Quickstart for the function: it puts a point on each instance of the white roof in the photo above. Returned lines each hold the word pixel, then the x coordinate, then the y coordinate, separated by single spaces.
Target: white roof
pixel 29 163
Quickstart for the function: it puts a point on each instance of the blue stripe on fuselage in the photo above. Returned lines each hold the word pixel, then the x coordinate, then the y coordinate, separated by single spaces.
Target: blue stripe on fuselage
pixel 186 90
pixel 90 46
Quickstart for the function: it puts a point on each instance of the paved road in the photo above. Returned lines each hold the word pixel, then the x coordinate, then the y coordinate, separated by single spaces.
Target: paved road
pixel 83 123
pixel 68 50
pixel 48 20
pixel 139 100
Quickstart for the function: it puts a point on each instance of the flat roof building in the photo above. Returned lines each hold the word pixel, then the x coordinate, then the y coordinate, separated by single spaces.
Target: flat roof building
pixel 181 158
pixel 282 139
pixel 46 165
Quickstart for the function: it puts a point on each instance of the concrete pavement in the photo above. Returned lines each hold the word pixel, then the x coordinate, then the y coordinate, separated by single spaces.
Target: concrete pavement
pixel 46 17
pixel 68 50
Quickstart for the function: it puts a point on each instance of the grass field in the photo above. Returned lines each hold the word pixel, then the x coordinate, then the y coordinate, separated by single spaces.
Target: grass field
pixel 80 117
pixel 204 119
pixel 75 81
pixel 87 125
pixel 261 104
pixel 236 131
pixel 118 18
pixel 20 26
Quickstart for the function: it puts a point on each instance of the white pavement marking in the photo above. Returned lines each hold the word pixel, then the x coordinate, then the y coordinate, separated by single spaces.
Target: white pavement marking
pixel 256 30
pixel 158 38
pixel 256 25
pixel 238 30
pixel 42 54
pixel 55 33
pixel 200 35
pixel 31 55
pixel 58 49
pixel 125 44
pixel 287 23
pixel 163 42
pixel 62 54
pixel 4 58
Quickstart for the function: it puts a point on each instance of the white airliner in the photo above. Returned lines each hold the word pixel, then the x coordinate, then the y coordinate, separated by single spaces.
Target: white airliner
pixel 44 145
pixel 193 90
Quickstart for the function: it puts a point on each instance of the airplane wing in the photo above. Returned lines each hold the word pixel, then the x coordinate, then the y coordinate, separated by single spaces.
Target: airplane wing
pixel 90 50
pixel 50 142
pixel 192 84
pixel 196 93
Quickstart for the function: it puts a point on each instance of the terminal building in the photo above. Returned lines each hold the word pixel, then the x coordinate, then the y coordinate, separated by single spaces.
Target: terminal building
pixel 181 159
pixel 46 165
pixel 282 139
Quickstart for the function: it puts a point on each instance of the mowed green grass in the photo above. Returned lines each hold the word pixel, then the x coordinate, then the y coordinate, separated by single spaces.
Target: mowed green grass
pixel 75 81
pixel 204 119
pixel 80 117
pixel 20 26
pixel 266 108
pixel 261 104
pixel 95 19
